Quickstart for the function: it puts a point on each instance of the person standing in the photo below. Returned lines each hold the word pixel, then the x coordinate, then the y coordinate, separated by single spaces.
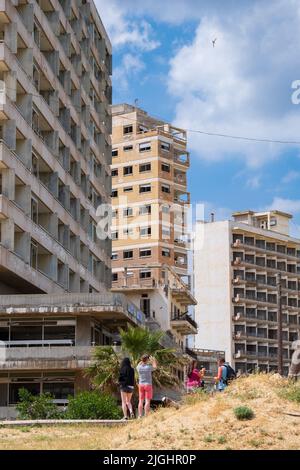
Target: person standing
pixel 221 379
pixel 126 382
pixel 145 368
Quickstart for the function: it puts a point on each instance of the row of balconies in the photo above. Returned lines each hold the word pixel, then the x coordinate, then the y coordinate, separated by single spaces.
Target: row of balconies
pixel 264 281
pixel 267 264
pixel 264 316
pixel 259 245
pixel 263 297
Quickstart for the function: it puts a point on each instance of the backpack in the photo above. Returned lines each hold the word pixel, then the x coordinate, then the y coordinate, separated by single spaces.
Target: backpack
pixel 231 374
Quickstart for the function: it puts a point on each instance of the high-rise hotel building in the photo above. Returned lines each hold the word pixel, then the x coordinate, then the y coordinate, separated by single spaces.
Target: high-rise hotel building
pixel 236 266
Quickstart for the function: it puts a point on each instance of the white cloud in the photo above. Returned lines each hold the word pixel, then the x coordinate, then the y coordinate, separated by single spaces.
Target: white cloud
pixel 291 206
pixel 130 66
pixel 254 182
pixel 122 31
pixel 241 86
pixel 291 176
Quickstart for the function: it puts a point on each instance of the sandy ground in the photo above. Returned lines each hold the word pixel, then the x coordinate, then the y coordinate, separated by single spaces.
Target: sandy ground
pixel 200 423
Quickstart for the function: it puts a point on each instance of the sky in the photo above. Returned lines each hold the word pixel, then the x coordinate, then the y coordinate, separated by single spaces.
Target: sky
pixel 245 85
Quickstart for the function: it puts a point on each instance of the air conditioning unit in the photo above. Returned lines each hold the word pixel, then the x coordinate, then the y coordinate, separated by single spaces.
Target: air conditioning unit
pixel 237 280
pixel 237 317
pixel 237 260
pixel 237 298
pixel 237 243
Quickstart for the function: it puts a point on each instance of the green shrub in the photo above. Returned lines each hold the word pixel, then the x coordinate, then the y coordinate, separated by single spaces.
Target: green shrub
pixel 291 392
pixel 36 407
pixel 243 413
pixel 93 405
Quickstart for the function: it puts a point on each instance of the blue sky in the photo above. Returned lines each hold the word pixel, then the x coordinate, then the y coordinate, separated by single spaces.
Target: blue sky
pixel 164 57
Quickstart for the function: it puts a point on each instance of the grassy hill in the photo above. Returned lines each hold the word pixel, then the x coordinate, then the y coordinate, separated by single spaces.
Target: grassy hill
pixel 202 422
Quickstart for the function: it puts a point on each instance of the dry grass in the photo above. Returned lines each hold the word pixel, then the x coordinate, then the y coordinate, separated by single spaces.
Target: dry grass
pixel 201 423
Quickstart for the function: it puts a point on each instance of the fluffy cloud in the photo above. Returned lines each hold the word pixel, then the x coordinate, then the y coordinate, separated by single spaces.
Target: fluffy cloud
pixel 242 86
pixel 122 32
pixel 291 206
pixel 130 66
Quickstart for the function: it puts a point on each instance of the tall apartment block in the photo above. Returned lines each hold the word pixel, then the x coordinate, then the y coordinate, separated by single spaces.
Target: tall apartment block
pixel 55 155
pixel 149 234
pixel 236 267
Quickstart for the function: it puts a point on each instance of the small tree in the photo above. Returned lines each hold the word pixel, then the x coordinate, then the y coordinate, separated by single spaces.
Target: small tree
pixel 104 372
pixel 36 406
pixel 93 405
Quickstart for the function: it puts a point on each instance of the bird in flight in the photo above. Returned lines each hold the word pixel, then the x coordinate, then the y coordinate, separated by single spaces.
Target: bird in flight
pixel 214 42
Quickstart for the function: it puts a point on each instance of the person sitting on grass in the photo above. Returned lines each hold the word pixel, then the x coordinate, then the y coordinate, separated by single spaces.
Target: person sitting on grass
pixel 145 368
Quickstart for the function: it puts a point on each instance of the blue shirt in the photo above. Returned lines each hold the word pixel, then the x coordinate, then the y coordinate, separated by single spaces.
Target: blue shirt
pixel 145 373
pixel 222 383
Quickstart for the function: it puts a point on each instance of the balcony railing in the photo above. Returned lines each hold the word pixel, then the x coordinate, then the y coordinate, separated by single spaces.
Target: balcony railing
pixel 185 317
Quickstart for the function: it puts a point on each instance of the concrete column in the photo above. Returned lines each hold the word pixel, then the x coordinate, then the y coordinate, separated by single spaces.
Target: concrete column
pixel 86 81
pixel 10 36
pixel 83 331
pixel 74 282
pixel 54 103
pixel 53 267
pixel 77 247
pixel 66 237
pixel 53 184
pixel 66 6
pixel 77 137
pixel 65 119
pixel 85 219
pixel 65 80
pixel 84 256
pixel 63 276
pixel 53 18
pixel 25 57
pixel 22 245
pixel 24 150
pixel 77 172
pixel 10 80
pixel 50 223
pixel 8 234
pixel 9 133
pixel 64 196
pixel 8 183
pixel 24 103
pixel 52 140
pixel 26 13
pixel 53 60
pixel 23 198
pixel 65 40
pixel 86 114
pixel 77 63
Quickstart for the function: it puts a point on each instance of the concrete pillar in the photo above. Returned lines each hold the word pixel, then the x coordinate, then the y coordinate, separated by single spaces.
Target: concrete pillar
pixel 77 63
pixel 9 133
pixel 53 267
pixel 25 57
pixel 54 103
pixel 86 81
pixel 22 245
pixel 83 331
pixel 66 237
pixel 77 172
pixel 51 139
pixel 8 183
pixel 65 119
pixel 86 114
pixel 84 255
pixel 77 136
pixel 23 198
pixel 10 80
pixel 24 151
pixel 64 196
pixel 53 18
pixel 65 40
pixel 10 36
pixel 53 60
pixel 65 80
pixel 75 246
pixel 85 219
pixel 63 276
pixel 26 13
pixel 50 223
pixel 53 184
pixel 74 282
pixel 66 6
pixel 24 103
pixel 8 234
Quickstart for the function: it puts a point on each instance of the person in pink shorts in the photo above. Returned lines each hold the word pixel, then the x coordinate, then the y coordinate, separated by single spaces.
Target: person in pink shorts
pixel 145 368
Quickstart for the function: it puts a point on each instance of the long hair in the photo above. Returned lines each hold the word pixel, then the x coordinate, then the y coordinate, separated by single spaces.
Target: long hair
pixel 125 365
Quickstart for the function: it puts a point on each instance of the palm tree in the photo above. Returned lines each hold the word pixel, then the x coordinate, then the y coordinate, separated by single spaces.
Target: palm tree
pixel 135 342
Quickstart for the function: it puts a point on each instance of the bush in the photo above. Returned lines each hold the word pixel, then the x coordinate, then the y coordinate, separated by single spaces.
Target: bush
pixel 36 407
pixel 93 405
pixel 243 413
pixel 291 392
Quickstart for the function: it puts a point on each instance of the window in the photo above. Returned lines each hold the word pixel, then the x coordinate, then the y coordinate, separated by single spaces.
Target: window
pixel 145 188
pixel 166 252
pixel 145 306
pixel 128 212
pixel 128 231
pixel 143 129
pixel 114 193
pixel 114 256
pixel 165 146
pixel 114 153
pixel 127 130
pixel 127 170
pixel 114 235
pixel 127 148
pixel 128 254
pixel 114 172
pixel 165 167
pixel 145 209
pixel 114 277
pixel 145 147
pixel 165 209
pixel 127 189
pixel 145 274
pixel 145 252
pixel 165 188
pixel 114 214
pixel 166 231
pixel 145 167
pixel 145 231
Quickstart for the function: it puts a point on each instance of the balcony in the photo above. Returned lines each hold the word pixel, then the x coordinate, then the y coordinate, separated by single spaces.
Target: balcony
pixel 184 324
pixel 24 355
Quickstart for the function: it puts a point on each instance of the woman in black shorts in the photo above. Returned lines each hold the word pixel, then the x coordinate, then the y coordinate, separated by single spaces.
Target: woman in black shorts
pixel 126 382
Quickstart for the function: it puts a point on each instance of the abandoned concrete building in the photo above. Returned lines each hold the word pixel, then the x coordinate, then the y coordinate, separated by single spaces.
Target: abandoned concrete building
pixel 55 155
